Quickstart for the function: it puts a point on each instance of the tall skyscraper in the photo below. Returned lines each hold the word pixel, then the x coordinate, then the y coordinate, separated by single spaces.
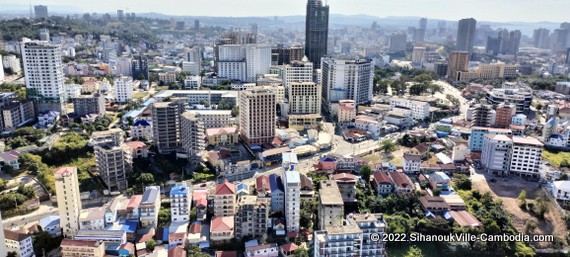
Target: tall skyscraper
pixel 41 11
pixel 347 79
pixel 420 33
pixel 458 61
pixel 44 75
pixel 466 35
pixel 316 31
pixel 139 66
pixel 196 25
pixel 166 125
pixel 257 115
pixel 120 15
pixel 68 200
pixel 397 42
pixel 541 38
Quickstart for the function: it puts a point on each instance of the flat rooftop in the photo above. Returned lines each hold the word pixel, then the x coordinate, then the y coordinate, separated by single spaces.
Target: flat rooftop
pixel 330 194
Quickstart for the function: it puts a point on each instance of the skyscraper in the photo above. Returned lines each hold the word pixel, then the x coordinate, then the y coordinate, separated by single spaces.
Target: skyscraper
pixel 166 125
pixel 139 66
pixel 466 34
pixel 257 115
pixel 120 15
pixel 41 11
pixel 44 75
pixel 196 25
pixel 397 42
pixel 458 61
pixel 347 79
pixel 68 200
pixel 541 38
pixel 316 31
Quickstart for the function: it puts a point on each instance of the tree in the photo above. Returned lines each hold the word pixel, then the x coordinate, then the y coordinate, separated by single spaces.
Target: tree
pixel 462 181
pixel 2 184
pixel 301 252
pixel 12 254
pixel 150 244
pixel 365 172
pixel 194 251
pixel 423 78
pixel 522 197
pixel 414 251
pixel 145 179
pixel 388 146
pixel 163 216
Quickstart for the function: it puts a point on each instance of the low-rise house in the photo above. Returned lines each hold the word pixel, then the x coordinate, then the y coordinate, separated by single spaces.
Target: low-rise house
pixel 200 201
pixel 266 250
pixel 10 158
pixel 439 180
pixel 92 218
pixel 141 129
pixel 50 224
pixel 222 228
pixel 382 184
pixel 454 202
pixel 434 204
pixel 262 186
pixel 465 219
pixel 561 190
pixel 47 119
pixel 421 149
pixel 196 234
pixel 133 208
pixel 402 183
pixel 222 136
pixel 83 248
pixel 225 254
pixel 138 148
pixel 19 243
pixel 106 235
pixel 412 162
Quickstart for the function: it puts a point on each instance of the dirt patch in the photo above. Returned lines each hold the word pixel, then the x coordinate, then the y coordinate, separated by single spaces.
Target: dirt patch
pixel 508 190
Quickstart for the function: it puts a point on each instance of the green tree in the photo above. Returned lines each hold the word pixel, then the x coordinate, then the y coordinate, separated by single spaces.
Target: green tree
pixel 522 198
pixel 414 251
pixel 163 216
pixel 2 184
pixel 150 244
pixel 365 171
pixel 423 78
pixel 12 254
pixel 145 179
pixel 462 181
pixel 194 251
pixel 301 252
pixel 388 146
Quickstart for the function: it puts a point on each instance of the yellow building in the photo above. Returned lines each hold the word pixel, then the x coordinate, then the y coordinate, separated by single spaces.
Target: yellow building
pixel 222 136
pixel 82 248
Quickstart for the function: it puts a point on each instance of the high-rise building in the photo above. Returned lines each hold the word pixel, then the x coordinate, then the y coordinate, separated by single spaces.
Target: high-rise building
pixel 44 34
pixel 541 38
pixel 418 55
pixel 526 157
pixel 441 28
pixel 41 11
pixel 232 38
pixel 397 42
pixel 420 33
pixel 113 158
pixel 296 53
pixel 292 187
pixel 257 115
pixel 243 62
pixel 339 241
pixel 196 25
pixel 297 71
pixel 504 115
pixel 180 203
pixel 123 66
pixel 483 115
pixel 493 45
pixel 331 205
pixel 68 200
pixel 44 75
pixel 495 155
pixel 11 62
pixel 458 61
pixel 251 216
pixel 559 40
pixel 123 89
pixel 139 67
pixel 304 105
pixel 225 200
pixel 192 135
pixel 1 70
pixel 89 104
pixel 120 15
pixel 370 223
pixel 347 79
pixel 316 31
pixel 466 35
pixel 166 125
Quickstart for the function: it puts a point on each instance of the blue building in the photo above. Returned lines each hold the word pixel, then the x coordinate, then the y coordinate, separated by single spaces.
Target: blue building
pixel 478 133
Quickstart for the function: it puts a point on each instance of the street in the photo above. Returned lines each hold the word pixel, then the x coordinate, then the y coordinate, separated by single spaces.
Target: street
pixel 46 209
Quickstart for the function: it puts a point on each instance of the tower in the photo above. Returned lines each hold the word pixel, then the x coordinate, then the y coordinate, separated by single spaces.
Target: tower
pixel 466 35
pixel 68 200
pixel 316 31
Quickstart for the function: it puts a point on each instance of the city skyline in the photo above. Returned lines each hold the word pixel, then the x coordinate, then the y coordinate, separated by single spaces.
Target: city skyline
pixel 502 11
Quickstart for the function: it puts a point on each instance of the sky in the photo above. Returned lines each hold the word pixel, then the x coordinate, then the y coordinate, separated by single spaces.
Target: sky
pixel 484 10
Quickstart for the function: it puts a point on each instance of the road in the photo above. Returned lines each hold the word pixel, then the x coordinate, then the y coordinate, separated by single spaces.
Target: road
pixel 45 210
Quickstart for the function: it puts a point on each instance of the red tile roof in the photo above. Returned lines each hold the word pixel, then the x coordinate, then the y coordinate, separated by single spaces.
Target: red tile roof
pixel 401 179
pixel 225 188
pixel 344 178
pixel 15 236
pixel 135 144
pixel 65 170
pixel 290 247
pixel 262 183
pixel 134 202
pixel 381 178
pixel 195 228
pixel 222 224
pixel 129 247
pixel 226 254
pixel 177 252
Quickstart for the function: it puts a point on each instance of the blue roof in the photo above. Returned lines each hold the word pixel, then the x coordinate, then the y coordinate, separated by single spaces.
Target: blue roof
pixel 179 190
pixel 148 102
pixel 275 183
pixel 143 123
pixel 556 136
pixel 49 221
pixel 242 186
pixel 130 226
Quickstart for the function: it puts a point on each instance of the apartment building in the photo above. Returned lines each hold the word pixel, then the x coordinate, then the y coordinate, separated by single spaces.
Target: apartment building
pixel 198 96
pixel 526 157
pixel 17 114
pixel 346 183
pixel 192 135
pixel 346 79
pixel 292 193
pixel 167 77
pixel 215 118
pixel 458 62
pixel 225 199
pixel 331 205
pixel 222 229
pixel 346 111
pixel 19 243
pixel 420 110
pixel 243 62
pixel 180 203
pixel 257 116
pixel 412 163
pixel 304 105
pixel 504 115
pixel 520 96
pixel 252 216
pixel 123 87
pixel 166 125
pixel 297 71
pixel 89 104
pixel 478 134
pixel 68 200
pixel 277 193
pixel 483 115
pixel 265 250
pixel 338 241
pixel 73 248
pixel 149 206
pixel 113 158
pixel 370 223
pixel 496 153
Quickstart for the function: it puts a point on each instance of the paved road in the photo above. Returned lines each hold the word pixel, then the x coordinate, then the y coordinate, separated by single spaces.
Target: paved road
pixel 45 210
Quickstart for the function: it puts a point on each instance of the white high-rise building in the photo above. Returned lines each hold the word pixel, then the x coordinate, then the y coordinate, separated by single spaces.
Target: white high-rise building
pixel 123 66
pixel 123 89
pixel 180 203
pixel 11 62
pixel 44 75
pixel 418 55
pixel 243 62
pixel 292 188
pixel 297 71
pixel 495 155
pixel 346 79
pixel 1 70
pixel 68 200
pixel 258 61
pixel 304 98
pixel 526 157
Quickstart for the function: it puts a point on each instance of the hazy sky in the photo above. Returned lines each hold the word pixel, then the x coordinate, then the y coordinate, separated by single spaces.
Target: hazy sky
pixel 487 10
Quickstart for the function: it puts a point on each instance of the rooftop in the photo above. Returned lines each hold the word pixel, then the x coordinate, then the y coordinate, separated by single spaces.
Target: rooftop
pixel 292 177
pixel 82 243
pixel 151 195
pixel 15 236
pixel 222 224
pixel 179 190
pixel 527 141
pixel 225 188
pixel 330 194
pixel 65 170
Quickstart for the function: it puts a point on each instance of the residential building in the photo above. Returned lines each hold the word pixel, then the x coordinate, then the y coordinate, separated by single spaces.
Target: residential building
pixel 192 135
pixel 167 77
pixel 316 31
pixel 297 71
pixel 106 235
pixel 225 200
pixel 265 250
pixel 17 114
pixel 47 119
pixel 382 183
pixel 419 110
pixel 478 133
pixel 19 243
pixel 139 65
pixel 397 42
pixel 495 155
pixel 304 105
pixel 458 62
pixel 141 129
pixel 504 115
pixel 292 192
pixel 92 219
pixel 212 97
pixel 466 35
pixel 113 158
pixel 402 183
pixel 89 104
pixel 346 79
pixel 561 190
pixel 71 248
pixel 338 241
pixel 439 180
pixel 252 216
pixel 150 206
pixel 257 116
pixel 331 205
pixel 526 157
pixel 418 55
pixel 346 111
pixel 483 115
pixel 123 87
pixel 166 119
pixel 369 224
pixel 180 203
pixel 222 228
pixel 41 58
pixel 138 149
pixel 49 224
pixel 346 183
pixel 123 66
pixel 520 96
pixel 412 163
pixel 215 118
pixel 243 62
pixel 192 82
pixel 541 38
pixel 68 200
pixel 497 70
pixel 277 193
pixel 11 62
pixel 222 136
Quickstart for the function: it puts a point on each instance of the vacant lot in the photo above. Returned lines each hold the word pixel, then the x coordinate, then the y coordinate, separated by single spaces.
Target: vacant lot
pixel 508 190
